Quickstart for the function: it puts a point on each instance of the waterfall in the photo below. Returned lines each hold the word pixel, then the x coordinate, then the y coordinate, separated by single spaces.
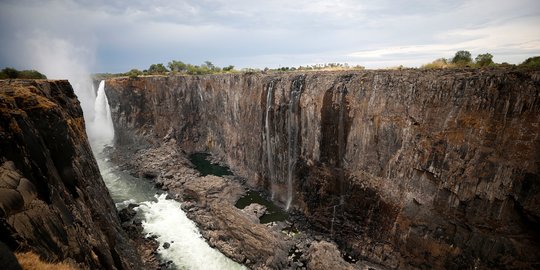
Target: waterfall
pixel 101 131
pixel 341 142
pixel 333 219
pixel 269 150
pixel 293 126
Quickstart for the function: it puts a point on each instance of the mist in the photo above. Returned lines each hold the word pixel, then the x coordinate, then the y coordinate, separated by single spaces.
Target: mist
pixel 63 59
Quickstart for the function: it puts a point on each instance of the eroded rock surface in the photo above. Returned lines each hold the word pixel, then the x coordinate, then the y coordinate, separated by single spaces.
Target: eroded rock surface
pixel 406 168
pixel 52 198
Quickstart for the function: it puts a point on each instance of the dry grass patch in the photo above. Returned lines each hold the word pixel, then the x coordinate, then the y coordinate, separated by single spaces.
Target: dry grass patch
pixel 31 261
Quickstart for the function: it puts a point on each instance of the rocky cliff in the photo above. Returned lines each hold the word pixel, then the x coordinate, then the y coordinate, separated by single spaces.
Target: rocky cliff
pixel 405 168
pixel 53 201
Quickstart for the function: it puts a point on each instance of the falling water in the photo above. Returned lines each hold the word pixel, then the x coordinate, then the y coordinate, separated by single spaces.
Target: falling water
pixel 293 126
pixel 101 130
pixel 341 143
pixel 332 224
pixel 270 158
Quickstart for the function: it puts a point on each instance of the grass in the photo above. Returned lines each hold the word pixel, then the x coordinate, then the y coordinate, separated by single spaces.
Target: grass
pixel 31 261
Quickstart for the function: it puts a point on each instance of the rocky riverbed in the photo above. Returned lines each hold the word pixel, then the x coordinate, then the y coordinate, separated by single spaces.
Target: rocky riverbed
pixel 210 202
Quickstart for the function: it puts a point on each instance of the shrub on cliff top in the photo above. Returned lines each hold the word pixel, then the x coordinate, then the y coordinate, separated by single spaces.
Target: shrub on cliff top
pixel 11 73
pixel 438 63
pixel 484 60
pixel 157 69
pixel 134 73
pixel 462 58
pixel 531 62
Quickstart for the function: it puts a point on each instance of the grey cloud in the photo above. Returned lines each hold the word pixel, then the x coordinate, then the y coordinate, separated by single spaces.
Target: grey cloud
pixel 136 33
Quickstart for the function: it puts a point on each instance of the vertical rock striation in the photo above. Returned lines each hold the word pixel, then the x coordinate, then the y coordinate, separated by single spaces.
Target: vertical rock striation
pixel 408 168
pixel 52 198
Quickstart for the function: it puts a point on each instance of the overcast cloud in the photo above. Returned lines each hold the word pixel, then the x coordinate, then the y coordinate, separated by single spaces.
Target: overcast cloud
pixel 115 36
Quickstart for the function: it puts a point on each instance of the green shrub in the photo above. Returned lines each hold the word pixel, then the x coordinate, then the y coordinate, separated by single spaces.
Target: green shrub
pixel 484 60
pixel 531 62
pixel 462 58
pixel 157 69
pixel 134 73
pixel 228 68
pixel 177 66
pixel 11 73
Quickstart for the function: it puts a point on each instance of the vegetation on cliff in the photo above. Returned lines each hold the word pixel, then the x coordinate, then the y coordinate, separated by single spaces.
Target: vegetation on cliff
pixel 174 67
pixel 11 73
pixel 461 59
pixel 532 62
pixel 464 59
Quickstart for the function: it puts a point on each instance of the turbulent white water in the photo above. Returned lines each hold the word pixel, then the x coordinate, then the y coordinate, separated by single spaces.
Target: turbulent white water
pixel 162 218
pixel 188 250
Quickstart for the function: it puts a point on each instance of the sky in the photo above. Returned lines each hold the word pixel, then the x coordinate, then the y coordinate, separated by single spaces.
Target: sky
pixel 116 36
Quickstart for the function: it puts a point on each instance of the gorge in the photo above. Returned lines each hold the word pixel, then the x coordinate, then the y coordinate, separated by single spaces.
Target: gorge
pixel 377 169
pixel 405 168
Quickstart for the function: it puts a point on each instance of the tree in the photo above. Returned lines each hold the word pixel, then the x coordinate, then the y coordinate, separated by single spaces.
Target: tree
pixel 134 73
pixel 9 73
pixel 210 66
pixel 177 66
pixel 228 68
pixel 484 60
pixel 532 62
pixel 157 69
pixel 462 58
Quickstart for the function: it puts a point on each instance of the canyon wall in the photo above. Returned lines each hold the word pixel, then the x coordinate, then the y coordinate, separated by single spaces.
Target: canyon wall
pixel 404 168
pixel 53 201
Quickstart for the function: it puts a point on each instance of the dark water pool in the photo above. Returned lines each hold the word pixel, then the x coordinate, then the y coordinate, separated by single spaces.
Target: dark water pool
pixel 273 212
pixel 205 167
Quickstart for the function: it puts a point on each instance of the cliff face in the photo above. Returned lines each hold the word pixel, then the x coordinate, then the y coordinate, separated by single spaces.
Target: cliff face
pixel 404 168
pixel 52 198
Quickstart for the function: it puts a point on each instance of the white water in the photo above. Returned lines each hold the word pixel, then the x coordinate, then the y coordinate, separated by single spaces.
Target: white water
pixel 162 218
pixel 269 150
pixel 188 250
pixel 100 129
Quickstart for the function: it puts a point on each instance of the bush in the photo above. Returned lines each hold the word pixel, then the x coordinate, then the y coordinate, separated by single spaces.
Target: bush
pixel 11 73
pixel 228 68
pixel 134 73
pixel 462 58
pixel 531 62
pixel 157 69
pixel 484 60
pixel 438 63
pixel 177 66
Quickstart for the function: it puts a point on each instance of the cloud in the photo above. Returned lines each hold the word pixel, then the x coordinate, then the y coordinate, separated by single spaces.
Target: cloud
pixel 509 41
pixel 136 33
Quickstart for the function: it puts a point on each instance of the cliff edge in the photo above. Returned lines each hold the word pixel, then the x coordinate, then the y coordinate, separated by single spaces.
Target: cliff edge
pixel 53 201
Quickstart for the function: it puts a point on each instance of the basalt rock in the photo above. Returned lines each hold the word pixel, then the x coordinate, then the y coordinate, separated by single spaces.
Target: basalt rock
pixel 405 168
pixel 53 200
